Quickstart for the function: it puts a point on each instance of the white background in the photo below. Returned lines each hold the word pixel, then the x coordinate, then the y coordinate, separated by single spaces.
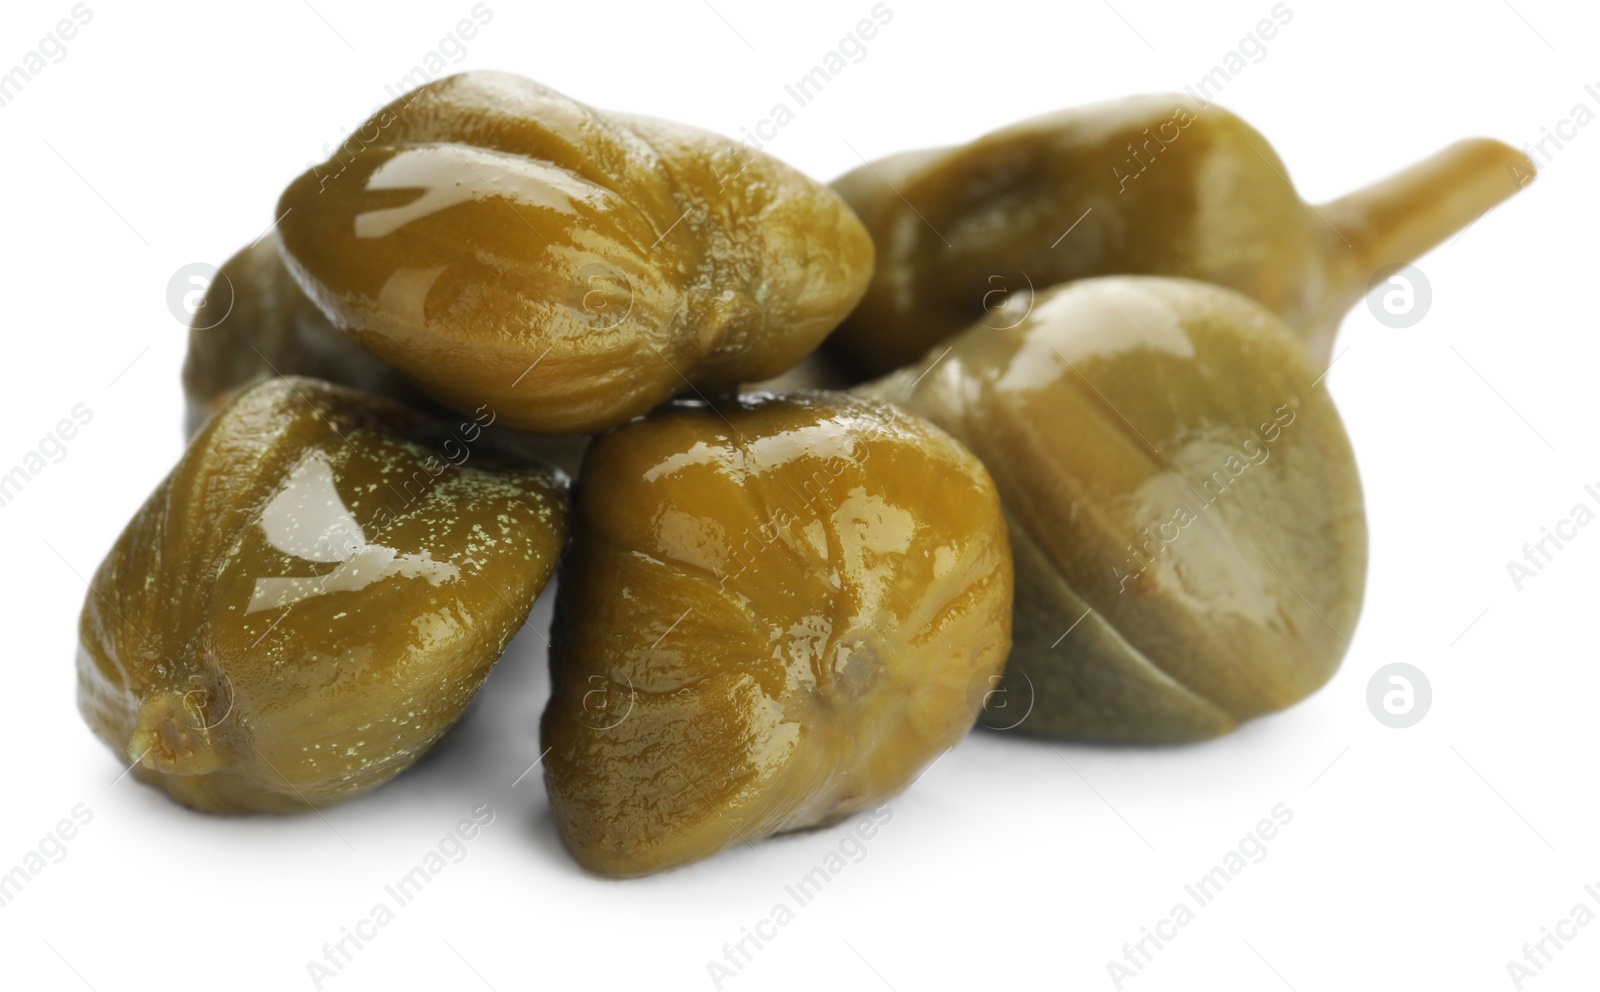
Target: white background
pixel 1421 858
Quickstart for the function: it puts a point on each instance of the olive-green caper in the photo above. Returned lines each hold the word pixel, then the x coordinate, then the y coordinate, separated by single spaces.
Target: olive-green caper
pixel 1184 508
pixel 501 243
pixel 255 324
pixel 1150 185
pixel 310 599
pixel 772 615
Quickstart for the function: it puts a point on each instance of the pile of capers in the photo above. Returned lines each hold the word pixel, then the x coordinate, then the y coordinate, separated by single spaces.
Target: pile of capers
pixel 1120 490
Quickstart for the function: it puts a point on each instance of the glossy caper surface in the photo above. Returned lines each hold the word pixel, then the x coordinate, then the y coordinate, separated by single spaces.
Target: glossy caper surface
pixel 773 614
pixel 255 324
pixel 1149 185
pixel 501 243
pixel 1184 506
pixel 310 599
